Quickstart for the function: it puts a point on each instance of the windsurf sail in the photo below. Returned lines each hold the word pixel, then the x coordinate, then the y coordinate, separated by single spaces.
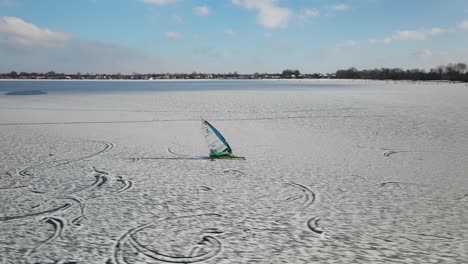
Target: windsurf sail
pixel 216 142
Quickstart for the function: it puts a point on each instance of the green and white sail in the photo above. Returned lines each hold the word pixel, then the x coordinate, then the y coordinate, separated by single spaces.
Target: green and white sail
pixel 214 139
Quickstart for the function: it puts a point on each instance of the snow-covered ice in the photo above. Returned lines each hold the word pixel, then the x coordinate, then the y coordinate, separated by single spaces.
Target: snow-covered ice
pixel 375 172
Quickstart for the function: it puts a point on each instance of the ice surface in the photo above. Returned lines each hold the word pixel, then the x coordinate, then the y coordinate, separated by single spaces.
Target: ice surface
pixel 375 173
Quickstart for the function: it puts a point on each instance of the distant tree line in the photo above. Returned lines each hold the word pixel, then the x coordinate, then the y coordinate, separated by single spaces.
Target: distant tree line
pixel 290 74
pixel 286 74
pixel 450 72
pixel 16 75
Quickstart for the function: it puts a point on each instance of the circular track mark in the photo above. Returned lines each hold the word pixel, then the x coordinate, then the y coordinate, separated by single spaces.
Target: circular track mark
pixel 313 225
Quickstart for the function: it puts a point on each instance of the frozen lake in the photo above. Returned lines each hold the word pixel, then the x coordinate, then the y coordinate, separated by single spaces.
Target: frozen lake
pixel 335 172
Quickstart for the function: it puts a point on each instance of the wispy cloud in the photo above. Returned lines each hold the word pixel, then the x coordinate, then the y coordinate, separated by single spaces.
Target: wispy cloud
pixel 310 12
pixel 341 7
pixel 208 53
pixel 426 53
pixel 85 56
pixel 386 40
pixel 430 57
pixel 161 2
pixel 8 3
pixel 463 24
pixel 410 35
pixel 306 13
pixel 53 50
pixel 346 44
pixel 268 35
pixel 203 10
pixel 228 31
pixel 174 35
pixel 179 19
pixel 269 14
pixel 23 34
pixel 415 35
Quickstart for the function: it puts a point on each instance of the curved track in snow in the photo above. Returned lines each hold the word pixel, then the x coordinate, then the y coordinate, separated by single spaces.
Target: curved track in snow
pixel 127 239
pixel 56 163
pixel 309 195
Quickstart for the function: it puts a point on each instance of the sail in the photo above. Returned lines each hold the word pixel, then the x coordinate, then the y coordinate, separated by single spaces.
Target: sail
pixel 216 142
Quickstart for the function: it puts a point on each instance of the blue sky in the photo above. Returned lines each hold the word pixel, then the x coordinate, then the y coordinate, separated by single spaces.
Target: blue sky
pixel 105 36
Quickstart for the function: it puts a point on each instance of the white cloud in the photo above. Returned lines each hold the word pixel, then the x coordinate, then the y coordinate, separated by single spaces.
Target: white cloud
pixel 306 13
pixel 425 53
pixel 341 7
pixel 346 44
pixel 8 3
pixel 161 2
pixel 274 17
pixel 310 12
pixel 463 24
pixel 268 35
pixel 21 33
pixel 387 40
pixel 415 35
pixel 85 56
pixel 203 10
pixel 437 31
pixel 269 14
pixel 410 35
pixel 174 35
pixel 228 31
pixel 432 58
pixel 209 53
pixel 179 19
